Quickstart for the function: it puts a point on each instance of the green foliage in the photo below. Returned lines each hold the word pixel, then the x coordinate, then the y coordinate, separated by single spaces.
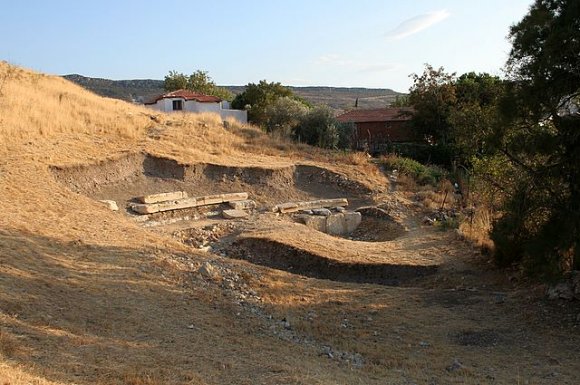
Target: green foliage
pixel 432 96
pixel 540 139
pixel 199 82
pixel 346 132
pixel 256 98
pixel 424 175
pixel 175 81
pixel 283 115
pixel 318 128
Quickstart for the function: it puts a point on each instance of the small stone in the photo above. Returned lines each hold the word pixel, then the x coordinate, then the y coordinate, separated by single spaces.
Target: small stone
pixel 191 326
pixel 339 209
pixel 424 344
pixel 111 205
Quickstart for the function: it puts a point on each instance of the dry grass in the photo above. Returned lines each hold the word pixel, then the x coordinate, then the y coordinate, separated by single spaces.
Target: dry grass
pixel 476 228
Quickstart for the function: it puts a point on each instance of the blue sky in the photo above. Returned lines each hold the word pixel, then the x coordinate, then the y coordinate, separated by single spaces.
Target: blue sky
pixel 363 43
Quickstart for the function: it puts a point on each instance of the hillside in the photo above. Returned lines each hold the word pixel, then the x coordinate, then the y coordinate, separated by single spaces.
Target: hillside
pixel 95 296
pixel 335 97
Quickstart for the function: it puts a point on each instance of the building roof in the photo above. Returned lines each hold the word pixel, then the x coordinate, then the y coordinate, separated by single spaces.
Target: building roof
pixel 376 115
pixel 187 95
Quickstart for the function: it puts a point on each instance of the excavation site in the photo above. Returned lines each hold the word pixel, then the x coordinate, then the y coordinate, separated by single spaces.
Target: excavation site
pixel 253 213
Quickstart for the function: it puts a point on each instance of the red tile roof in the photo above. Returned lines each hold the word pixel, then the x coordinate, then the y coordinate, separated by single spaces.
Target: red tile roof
pixel 376 115
pixel 187 95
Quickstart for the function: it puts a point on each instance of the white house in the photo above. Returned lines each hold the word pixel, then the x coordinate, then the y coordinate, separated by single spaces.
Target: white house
pixel 184 100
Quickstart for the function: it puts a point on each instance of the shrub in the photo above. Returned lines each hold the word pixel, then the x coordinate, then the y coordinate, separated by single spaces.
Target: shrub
pixel 424 175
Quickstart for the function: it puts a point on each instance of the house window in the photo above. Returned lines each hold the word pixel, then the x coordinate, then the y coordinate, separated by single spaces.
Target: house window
pixel 177 105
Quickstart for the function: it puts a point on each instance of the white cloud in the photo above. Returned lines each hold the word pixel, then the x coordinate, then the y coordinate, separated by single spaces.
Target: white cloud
pixel 417 24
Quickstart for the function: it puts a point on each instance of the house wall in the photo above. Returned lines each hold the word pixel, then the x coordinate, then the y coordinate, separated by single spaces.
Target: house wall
pixel 194 106
pixel 166 105
pixel 382 132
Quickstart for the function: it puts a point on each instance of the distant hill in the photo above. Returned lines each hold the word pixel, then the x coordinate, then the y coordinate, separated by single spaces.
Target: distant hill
pixel 339 98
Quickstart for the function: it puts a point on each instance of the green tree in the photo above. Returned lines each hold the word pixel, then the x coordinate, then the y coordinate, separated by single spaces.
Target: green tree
pixel 540 139
pixel 432 96
pixel 257 97
pixel 474 115
pixel 284 114
pixel 175 81
pixel 318 128
pixel 199 81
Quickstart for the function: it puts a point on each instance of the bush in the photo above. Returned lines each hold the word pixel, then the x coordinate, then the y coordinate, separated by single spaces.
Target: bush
pixel 424 175
pixel 318 128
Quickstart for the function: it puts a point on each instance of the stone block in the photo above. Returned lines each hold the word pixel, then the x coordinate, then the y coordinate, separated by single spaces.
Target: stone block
pixel 243 205
pixel 291 207
pixel 352 220
pixel 323 212
pixel 235 214
pixel 335 224
pixel 210 200
pixel 232 197
pixel 162 197
pixel 141 208
pixel 177 204
pixel 315 222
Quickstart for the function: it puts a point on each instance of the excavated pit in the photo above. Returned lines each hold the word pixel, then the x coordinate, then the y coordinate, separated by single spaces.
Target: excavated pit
pixel 136 174
pixel 280 256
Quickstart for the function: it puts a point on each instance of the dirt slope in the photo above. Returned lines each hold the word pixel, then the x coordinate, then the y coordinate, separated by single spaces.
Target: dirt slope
pixel 91 296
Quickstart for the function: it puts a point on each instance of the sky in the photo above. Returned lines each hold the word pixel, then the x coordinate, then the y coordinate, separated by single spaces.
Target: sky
pixel 362 43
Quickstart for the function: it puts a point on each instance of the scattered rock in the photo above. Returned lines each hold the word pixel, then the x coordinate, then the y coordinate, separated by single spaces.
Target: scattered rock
pixel 235 214
pixel 111 205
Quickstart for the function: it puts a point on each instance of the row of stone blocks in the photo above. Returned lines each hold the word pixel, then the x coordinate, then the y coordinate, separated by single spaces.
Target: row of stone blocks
pixel 292 207
pixel 176 200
